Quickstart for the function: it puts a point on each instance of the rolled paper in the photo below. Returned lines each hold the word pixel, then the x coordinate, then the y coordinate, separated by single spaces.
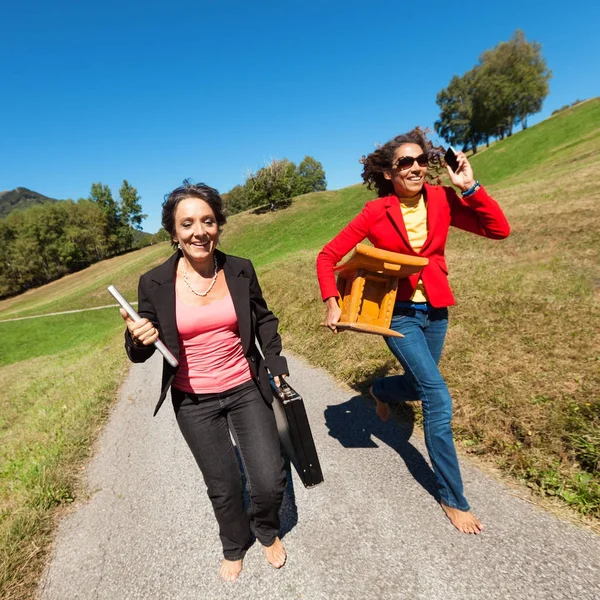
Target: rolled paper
pixel 129 310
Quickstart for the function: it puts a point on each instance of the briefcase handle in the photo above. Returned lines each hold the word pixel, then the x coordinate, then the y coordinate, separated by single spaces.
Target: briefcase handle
pixel 284 391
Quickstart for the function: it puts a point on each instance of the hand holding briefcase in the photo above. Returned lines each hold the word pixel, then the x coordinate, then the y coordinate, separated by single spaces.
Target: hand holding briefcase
pixel 295 434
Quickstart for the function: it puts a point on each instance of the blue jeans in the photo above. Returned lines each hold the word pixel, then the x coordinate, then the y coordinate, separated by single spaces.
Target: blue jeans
pixel 205 421
pixel 419 351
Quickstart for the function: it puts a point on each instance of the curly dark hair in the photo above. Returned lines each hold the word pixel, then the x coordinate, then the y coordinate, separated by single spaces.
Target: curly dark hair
pixel 376 163
pixel 191 190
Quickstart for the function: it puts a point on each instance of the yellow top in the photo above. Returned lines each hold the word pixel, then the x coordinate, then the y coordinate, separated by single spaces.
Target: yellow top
pixel 414 211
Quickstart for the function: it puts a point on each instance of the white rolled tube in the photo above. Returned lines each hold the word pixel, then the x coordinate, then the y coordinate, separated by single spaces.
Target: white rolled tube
pixel 129 310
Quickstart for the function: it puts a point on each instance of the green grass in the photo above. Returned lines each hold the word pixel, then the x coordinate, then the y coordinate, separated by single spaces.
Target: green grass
pixel 548 153
pixel 522 358
pixel 306 224
pixel 523 352
pixel 52 407
pixel 87 288
pixel 31 338
pixel 556 141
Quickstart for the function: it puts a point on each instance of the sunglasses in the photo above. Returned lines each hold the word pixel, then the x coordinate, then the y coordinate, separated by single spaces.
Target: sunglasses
pixel 406 162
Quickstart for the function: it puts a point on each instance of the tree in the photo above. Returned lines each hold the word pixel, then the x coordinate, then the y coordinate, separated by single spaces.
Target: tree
pixel 276 181
pixel 102 196
pixel 44 242
pixel 509 83
pixel 36 234
pixel 525 71
pixel 131 209
pixel 7 272
pixel 456 124
pixel 512 83
pixel 130 212
pixel 236 199
pixel 84 234
pixel 311 176
pixel 160 236
pixel 48 222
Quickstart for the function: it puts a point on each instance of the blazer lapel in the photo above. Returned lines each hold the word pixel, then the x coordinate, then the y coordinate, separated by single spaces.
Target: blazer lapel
pixel 394 213
pixel 164 300
pixel 433 207
pixel 239 288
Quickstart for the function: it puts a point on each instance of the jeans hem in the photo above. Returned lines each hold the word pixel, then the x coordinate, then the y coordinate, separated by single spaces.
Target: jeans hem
pixel 267 544
pixel 239 556
pixel 454 505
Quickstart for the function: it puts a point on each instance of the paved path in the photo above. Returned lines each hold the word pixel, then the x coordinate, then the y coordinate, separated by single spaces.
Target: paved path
pixel 371 531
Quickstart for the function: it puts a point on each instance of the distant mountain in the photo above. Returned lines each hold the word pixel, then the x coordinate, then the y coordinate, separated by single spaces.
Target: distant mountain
pixel 20 198
pixel 141 238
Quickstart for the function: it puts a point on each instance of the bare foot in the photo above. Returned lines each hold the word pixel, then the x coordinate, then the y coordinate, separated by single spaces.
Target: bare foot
pixel 381 408
pixel 464 521
pixel 230 569
pixel 276 554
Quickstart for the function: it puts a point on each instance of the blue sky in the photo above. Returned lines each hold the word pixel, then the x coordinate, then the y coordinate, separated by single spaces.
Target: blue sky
pixel 155 92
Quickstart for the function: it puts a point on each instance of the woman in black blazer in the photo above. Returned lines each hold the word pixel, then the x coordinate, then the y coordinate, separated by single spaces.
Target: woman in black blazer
pixel 208 309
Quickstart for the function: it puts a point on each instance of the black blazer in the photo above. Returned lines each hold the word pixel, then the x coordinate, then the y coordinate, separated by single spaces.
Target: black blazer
pixel 156 302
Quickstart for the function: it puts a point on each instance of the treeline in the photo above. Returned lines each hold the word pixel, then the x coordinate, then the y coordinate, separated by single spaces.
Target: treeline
pixel 44 242
pixel 565 106
pixel 279 180
pixel 509 84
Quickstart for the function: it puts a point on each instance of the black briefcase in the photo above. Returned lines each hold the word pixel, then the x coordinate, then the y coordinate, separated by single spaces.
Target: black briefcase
pixel 295 435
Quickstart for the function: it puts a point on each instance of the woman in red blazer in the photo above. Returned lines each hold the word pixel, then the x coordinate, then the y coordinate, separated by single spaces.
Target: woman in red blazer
pixel 413 217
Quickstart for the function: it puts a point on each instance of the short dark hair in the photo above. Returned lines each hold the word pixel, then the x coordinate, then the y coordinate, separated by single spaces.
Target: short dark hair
pixel 191 190
pixel 376 163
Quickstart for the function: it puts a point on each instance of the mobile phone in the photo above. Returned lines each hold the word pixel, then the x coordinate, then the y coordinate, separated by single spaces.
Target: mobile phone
pixel 450 158
pixel 129 310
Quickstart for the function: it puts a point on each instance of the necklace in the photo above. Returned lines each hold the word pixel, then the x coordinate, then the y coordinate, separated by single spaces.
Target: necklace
pixel 212 283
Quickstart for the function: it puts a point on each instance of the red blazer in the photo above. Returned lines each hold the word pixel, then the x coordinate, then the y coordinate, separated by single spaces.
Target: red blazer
pixel 381 222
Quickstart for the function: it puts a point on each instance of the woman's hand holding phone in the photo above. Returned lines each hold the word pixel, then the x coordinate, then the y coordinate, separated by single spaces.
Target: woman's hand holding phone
pixel 462 176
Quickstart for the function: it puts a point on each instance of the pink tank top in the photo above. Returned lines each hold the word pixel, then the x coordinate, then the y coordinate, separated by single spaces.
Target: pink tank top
pixel 211 358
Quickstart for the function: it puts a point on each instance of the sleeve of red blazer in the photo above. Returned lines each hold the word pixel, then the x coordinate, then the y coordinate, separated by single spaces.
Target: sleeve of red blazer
pixel 355 232
pixel 478 213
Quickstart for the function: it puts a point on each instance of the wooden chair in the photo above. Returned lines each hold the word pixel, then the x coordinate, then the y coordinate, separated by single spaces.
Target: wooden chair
pixel 367 283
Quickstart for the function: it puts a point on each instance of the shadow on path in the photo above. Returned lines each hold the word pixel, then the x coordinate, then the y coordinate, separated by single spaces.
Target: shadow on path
pixel 354 423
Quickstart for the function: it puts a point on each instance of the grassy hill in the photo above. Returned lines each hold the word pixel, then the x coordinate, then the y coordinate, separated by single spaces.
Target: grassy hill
pixel 549 151
pixel 521 358
pixel 523 346
pixel 19 199
pixel 524 342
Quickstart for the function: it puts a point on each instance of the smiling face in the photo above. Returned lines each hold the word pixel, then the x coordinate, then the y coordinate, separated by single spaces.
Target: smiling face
pixel 407 183
pixel 196 229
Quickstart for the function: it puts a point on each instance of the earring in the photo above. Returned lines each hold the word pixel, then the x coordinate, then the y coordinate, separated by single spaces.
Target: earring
pixel 179 246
